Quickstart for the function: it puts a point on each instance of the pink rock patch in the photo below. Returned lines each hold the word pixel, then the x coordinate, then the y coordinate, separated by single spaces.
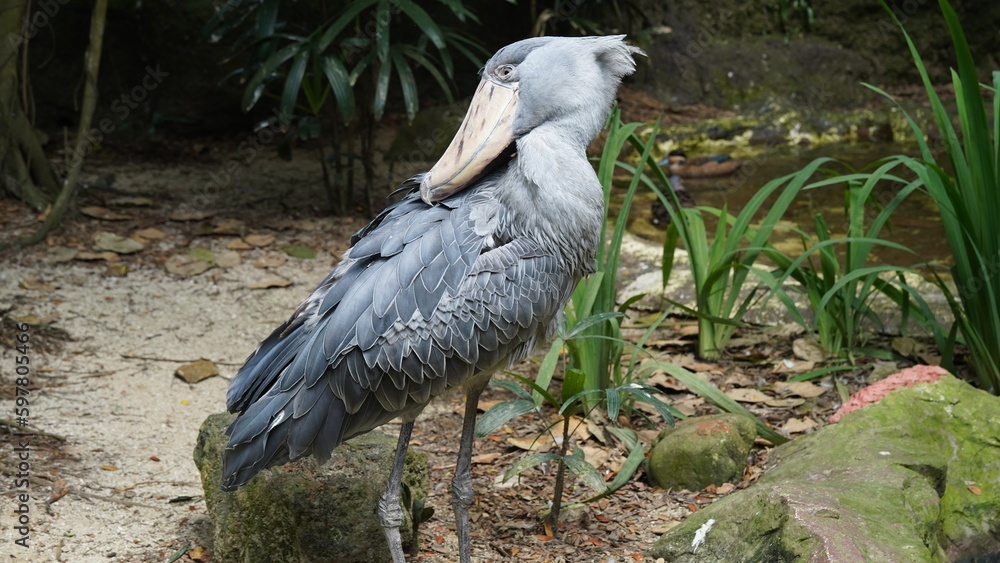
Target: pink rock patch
pixel 874 393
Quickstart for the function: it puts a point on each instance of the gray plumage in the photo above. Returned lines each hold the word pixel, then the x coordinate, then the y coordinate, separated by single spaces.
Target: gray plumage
pixel 430 297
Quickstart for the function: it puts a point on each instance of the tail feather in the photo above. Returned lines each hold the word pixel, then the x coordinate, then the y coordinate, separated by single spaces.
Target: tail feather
pixel 268 434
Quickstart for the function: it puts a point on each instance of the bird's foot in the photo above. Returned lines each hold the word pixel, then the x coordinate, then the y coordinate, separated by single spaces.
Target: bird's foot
pixel 391 517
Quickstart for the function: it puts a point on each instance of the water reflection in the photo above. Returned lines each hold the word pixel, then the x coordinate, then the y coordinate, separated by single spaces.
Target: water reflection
pixel 915 224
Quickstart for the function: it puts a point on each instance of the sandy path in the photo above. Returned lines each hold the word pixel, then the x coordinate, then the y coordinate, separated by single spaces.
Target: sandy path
pixel 139 410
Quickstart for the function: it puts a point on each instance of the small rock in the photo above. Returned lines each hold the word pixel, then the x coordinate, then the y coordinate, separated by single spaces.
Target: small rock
pixel 874 393
pixel 302 511
pixel 116 243
pixel 702 451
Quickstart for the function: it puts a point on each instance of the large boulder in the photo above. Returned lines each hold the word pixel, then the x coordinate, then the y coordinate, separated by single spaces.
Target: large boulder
pixel 702 451
pixel 303 511
pixel 912 477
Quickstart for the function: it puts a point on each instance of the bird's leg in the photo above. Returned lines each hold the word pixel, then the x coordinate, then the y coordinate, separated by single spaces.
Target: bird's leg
pixel 461 483
pixel 389 512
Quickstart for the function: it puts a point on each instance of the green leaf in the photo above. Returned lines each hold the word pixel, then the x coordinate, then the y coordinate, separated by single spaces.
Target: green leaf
pixel 382 88
pixel 340 83
pixel 572 384
pixel 500 414
pixel 548 368
pixel 408 83
pixel 586 472
pixel 351 11
pixel 424 22
pixel 299 251
pixel 529 462
pixel 290 93
pixel 203 254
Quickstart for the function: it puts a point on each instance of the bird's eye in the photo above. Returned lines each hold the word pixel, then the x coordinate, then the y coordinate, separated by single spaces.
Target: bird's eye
pixel 504 72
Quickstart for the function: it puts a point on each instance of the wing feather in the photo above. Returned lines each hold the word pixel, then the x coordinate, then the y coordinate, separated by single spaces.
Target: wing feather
pixel 357 353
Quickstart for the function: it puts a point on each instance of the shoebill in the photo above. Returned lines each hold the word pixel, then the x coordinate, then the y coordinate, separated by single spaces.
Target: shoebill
pixel 463 276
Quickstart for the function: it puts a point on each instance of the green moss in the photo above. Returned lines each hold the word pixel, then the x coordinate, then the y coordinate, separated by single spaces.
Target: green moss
pixel 302 511
pixel 901 480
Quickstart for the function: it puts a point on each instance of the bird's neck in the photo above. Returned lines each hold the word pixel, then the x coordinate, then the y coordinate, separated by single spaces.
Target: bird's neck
pixel 553 194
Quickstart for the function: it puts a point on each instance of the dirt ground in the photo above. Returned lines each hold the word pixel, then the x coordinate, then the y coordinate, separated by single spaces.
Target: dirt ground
pixel 107 332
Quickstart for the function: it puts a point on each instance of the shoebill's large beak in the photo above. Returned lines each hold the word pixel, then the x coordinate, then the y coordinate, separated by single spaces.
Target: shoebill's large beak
pixel 485 132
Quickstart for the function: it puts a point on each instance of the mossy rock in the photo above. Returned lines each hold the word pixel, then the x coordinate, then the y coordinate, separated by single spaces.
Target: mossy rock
pixel 702 451
pixel 303 511
pixel 910 478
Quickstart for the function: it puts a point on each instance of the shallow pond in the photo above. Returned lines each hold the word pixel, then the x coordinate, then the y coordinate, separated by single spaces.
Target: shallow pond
pixel 915 224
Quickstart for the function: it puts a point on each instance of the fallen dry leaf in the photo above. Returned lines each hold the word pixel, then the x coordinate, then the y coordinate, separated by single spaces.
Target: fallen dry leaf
pixel 661 379
pixel 188 215
pixel 197 553
pixel 808 350
pixel 35 283
pixel 486 458
pixel 271 260
pixel 259 240
pixel 786 402
pixel 185 265
pixel 59 254
pixel 197 371
pixel 91 256
pixel 228 260
pixel 229 227
pixel 793 366
pixel 150 234
pixel 109 468
pixel 595 456
pixel 724 488
pixel 975 490
pixel 796 425
pixel 799 388
pixel 103 213
pixel 131 201
pixel 116 243
pixel 238 244
pixel 531 444
pixel 746 395
pixel 268 284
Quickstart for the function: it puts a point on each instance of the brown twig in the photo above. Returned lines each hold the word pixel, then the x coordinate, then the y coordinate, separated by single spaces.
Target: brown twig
pixel 175 361
pixel 22 428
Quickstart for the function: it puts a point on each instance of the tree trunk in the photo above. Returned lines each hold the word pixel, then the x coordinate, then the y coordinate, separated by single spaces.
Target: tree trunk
pixel 92 65
pixel 26 170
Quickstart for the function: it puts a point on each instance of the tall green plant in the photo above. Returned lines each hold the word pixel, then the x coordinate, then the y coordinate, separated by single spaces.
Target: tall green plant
pixel 351 59
pixel 720 267
pixel 839 292
pixel 969 198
